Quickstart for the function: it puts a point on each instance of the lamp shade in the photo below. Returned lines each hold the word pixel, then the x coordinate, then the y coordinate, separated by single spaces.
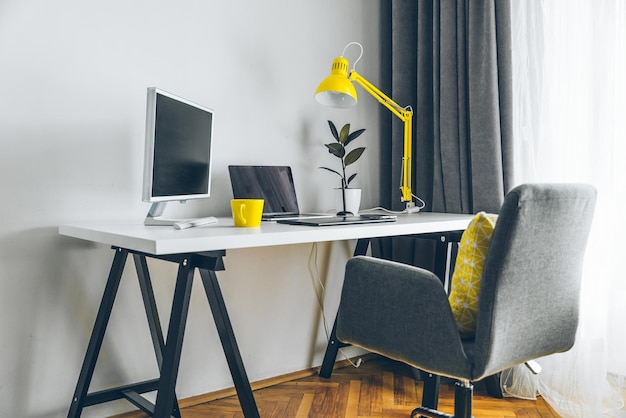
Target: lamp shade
pixel 337 90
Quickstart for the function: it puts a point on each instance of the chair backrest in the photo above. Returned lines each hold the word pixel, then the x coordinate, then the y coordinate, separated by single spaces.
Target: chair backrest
pixel 530 288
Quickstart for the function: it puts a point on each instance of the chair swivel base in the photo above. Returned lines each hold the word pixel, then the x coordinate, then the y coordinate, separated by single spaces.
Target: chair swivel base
pixel 463 393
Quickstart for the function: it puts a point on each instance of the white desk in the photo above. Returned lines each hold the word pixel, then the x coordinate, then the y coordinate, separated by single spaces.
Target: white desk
pixel 203 248
pixel 223 236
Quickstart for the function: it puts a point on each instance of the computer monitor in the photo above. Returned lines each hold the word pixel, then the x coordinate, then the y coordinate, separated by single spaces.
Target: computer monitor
pixel 177 165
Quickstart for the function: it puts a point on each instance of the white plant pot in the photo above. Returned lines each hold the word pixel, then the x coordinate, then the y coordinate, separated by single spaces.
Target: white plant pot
pixel 353 200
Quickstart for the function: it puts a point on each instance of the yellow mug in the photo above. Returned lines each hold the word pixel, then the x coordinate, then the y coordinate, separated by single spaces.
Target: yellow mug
pixel 247 212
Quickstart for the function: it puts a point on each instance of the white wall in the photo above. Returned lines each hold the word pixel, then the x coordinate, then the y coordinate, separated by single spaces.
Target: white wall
pixel 73 78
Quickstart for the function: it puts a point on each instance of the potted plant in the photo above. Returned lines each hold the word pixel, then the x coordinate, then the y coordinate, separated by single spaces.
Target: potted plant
pixel 344 138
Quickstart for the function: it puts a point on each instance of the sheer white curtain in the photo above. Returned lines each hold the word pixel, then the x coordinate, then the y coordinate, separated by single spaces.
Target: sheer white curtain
pixel 570 126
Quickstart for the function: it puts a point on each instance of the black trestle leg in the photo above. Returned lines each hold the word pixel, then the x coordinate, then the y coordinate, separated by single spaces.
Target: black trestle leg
pixel 165 399
pixel 167 351
pixel 152 314
pixel 330 356
pixel 97 335
pixel 229 343
pixel 333 346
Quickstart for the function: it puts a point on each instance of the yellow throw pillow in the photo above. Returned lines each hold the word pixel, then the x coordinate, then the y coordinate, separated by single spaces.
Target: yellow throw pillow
pixel 468 270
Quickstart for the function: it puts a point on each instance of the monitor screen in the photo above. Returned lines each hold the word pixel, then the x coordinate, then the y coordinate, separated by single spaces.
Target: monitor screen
pixel 178 148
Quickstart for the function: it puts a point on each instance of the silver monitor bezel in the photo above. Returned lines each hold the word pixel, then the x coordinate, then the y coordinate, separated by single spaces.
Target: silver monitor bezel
pixel 149 148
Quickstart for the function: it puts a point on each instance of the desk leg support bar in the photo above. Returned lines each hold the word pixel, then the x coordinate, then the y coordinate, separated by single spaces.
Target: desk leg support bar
pixel 229 343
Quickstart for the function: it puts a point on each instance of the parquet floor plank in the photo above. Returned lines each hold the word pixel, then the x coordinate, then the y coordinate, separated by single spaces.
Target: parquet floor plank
pixel 380 388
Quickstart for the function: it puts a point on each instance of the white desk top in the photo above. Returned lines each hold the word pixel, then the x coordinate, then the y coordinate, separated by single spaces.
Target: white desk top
pixel 160 240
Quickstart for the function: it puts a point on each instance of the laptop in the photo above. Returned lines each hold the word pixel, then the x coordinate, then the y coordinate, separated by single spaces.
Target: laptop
pixel 275 185
pixel 341 220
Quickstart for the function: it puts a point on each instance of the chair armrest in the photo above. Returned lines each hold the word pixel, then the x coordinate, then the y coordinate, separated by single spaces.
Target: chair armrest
pixel 401 312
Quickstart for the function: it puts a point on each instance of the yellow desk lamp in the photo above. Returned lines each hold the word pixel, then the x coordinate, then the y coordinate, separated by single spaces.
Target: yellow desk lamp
pixel 337 90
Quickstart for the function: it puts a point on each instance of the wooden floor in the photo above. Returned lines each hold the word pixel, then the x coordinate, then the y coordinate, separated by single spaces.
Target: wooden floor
pixel 379 388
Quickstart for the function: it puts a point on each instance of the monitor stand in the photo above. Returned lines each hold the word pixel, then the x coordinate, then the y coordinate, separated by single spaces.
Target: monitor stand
pixel 153 218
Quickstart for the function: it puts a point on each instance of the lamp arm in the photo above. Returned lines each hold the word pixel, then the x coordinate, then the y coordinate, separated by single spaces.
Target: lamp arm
pixel 406 115
pixel 382 98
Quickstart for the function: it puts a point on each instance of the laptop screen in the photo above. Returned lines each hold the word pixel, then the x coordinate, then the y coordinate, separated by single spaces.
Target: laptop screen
pixel 272 183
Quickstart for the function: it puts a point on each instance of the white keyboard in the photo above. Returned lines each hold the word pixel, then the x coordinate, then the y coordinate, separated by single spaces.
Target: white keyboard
pixel 195 222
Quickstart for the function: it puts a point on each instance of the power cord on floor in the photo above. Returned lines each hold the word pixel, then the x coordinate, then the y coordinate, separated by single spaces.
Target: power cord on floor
pixel 315 278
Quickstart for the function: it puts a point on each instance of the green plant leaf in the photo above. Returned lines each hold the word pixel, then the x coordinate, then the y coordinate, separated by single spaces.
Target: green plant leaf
pixel 351 178
pixel 333 130
pixel 336 149
pixel 353 155
pixel 331 170
pixel 354 135
pixel 345 131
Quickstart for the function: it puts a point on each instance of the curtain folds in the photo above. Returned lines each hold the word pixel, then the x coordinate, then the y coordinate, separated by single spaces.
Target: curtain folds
pixel 451 60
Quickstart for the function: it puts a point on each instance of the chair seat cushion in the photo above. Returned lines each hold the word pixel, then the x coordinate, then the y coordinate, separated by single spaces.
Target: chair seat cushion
pixel 468 269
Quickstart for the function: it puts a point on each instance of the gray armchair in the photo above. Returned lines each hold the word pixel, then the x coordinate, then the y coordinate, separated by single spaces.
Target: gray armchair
pixel 528 302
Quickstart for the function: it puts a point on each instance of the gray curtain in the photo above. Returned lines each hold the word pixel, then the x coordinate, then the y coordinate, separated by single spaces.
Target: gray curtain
pixel 451 61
